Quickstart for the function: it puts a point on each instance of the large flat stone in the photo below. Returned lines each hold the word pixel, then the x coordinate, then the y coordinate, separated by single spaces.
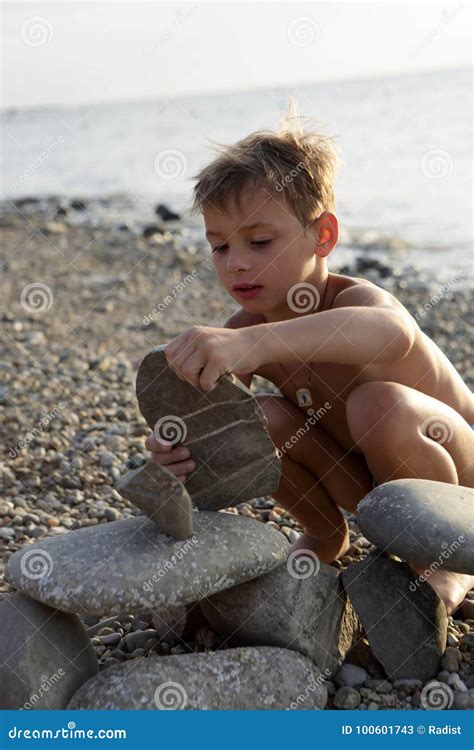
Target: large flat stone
pixel 232 679
pixel 131 566
pixel 161 496
pixel 310 615
pixel 45 655
pixel 422 521
pixel 225 430
pixel 404 619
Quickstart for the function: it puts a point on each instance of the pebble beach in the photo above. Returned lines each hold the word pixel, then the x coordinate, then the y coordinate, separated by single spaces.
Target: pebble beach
pixel 83 303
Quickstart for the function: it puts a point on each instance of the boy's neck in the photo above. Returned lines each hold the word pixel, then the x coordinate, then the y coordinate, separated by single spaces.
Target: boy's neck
pixel 286 313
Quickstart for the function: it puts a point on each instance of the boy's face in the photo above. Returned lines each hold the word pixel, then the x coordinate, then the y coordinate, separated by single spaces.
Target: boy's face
pixel 264 245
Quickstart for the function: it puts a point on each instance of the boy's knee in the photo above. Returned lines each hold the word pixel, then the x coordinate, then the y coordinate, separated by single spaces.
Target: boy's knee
pixel 377 411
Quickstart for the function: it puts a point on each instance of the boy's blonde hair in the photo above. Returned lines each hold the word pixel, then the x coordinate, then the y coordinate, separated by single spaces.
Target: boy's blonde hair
pixel 298 164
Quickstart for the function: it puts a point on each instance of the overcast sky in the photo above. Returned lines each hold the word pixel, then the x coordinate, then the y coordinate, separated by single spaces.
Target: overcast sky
pixel 82 52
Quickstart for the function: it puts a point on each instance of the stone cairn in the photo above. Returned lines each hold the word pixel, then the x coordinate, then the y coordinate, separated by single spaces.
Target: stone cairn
pixel 287 621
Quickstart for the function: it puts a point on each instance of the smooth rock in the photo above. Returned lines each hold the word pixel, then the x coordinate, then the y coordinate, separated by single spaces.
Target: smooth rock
pixel 161 496
pixel 224 429
pixel 350 675
pixel 463 701
pixel 131 566
pixel 423 522
pixel 45 655
pixel 310 615
pixel 232 679
pixel 405 624
pixel 347 698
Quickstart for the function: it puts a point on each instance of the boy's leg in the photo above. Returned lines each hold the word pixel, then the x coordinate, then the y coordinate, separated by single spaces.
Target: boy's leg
pixel 317 477
pixel 407 434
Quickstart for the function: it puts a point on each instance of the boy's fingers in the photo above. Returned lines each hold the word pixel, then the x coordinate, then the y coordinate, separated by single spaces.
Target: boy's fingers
pixel 156 445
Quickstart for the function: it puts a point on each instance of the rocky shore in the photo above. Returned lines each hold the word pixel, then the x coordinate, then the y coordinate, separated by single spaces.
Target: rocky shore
pixel 83 304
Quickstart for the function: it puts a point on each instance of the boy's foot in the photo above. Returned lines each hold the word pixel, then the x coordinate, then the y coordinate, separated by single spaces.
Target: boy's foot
pixel 326 550
pixel 450 587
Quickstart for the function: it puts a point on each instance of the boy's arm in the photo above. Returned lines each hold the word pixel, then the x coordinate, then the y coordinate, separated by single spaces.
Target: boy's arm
pixel 243 319
pixel 366 324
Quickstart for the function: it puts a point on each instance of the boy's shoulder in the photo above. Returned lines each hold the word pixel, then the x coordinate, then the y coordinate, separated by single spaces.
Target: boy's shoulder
pixel 360 292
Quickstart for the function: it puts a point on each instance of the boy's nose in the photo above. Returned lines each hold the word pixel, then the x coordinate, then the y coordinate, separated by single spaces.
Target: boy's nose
pixel 237 261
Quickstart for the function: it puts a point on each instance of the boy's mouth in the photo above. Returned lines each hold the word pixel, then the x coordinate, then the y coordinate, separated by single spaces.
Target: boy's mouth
pixel 247 290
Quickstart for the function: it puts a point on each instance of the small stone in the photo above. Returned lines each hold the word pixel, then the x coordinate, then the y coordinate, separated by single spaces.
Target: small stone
pixel 451 659
pixel 139 639
pixel 106 459
pixel 111 514
pixel 463 700
pixel 232 679
pixel 347 698
pixel 455 681
pixel 350 675
pixel 110 640
pixel 161 496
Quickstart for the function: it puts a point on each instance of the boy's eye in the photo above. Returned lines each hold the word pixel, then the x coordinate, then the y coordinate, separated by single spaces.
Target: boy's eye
pixel 219 247
pixel 261 243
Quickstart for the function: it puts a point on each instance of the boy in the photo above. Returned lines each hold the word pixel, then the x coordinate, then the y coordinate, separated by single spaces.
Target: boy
pixel 321 338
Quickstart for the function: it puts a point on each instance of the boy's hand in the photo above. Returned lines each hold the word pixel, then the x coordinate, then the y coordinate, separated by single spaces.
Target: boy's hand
pixel 174 457
pixel 202 354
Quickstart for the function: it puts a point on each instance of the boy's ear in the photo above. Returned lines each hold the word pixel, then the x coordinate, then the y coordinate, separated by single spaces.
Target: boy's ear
pixel 327 232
